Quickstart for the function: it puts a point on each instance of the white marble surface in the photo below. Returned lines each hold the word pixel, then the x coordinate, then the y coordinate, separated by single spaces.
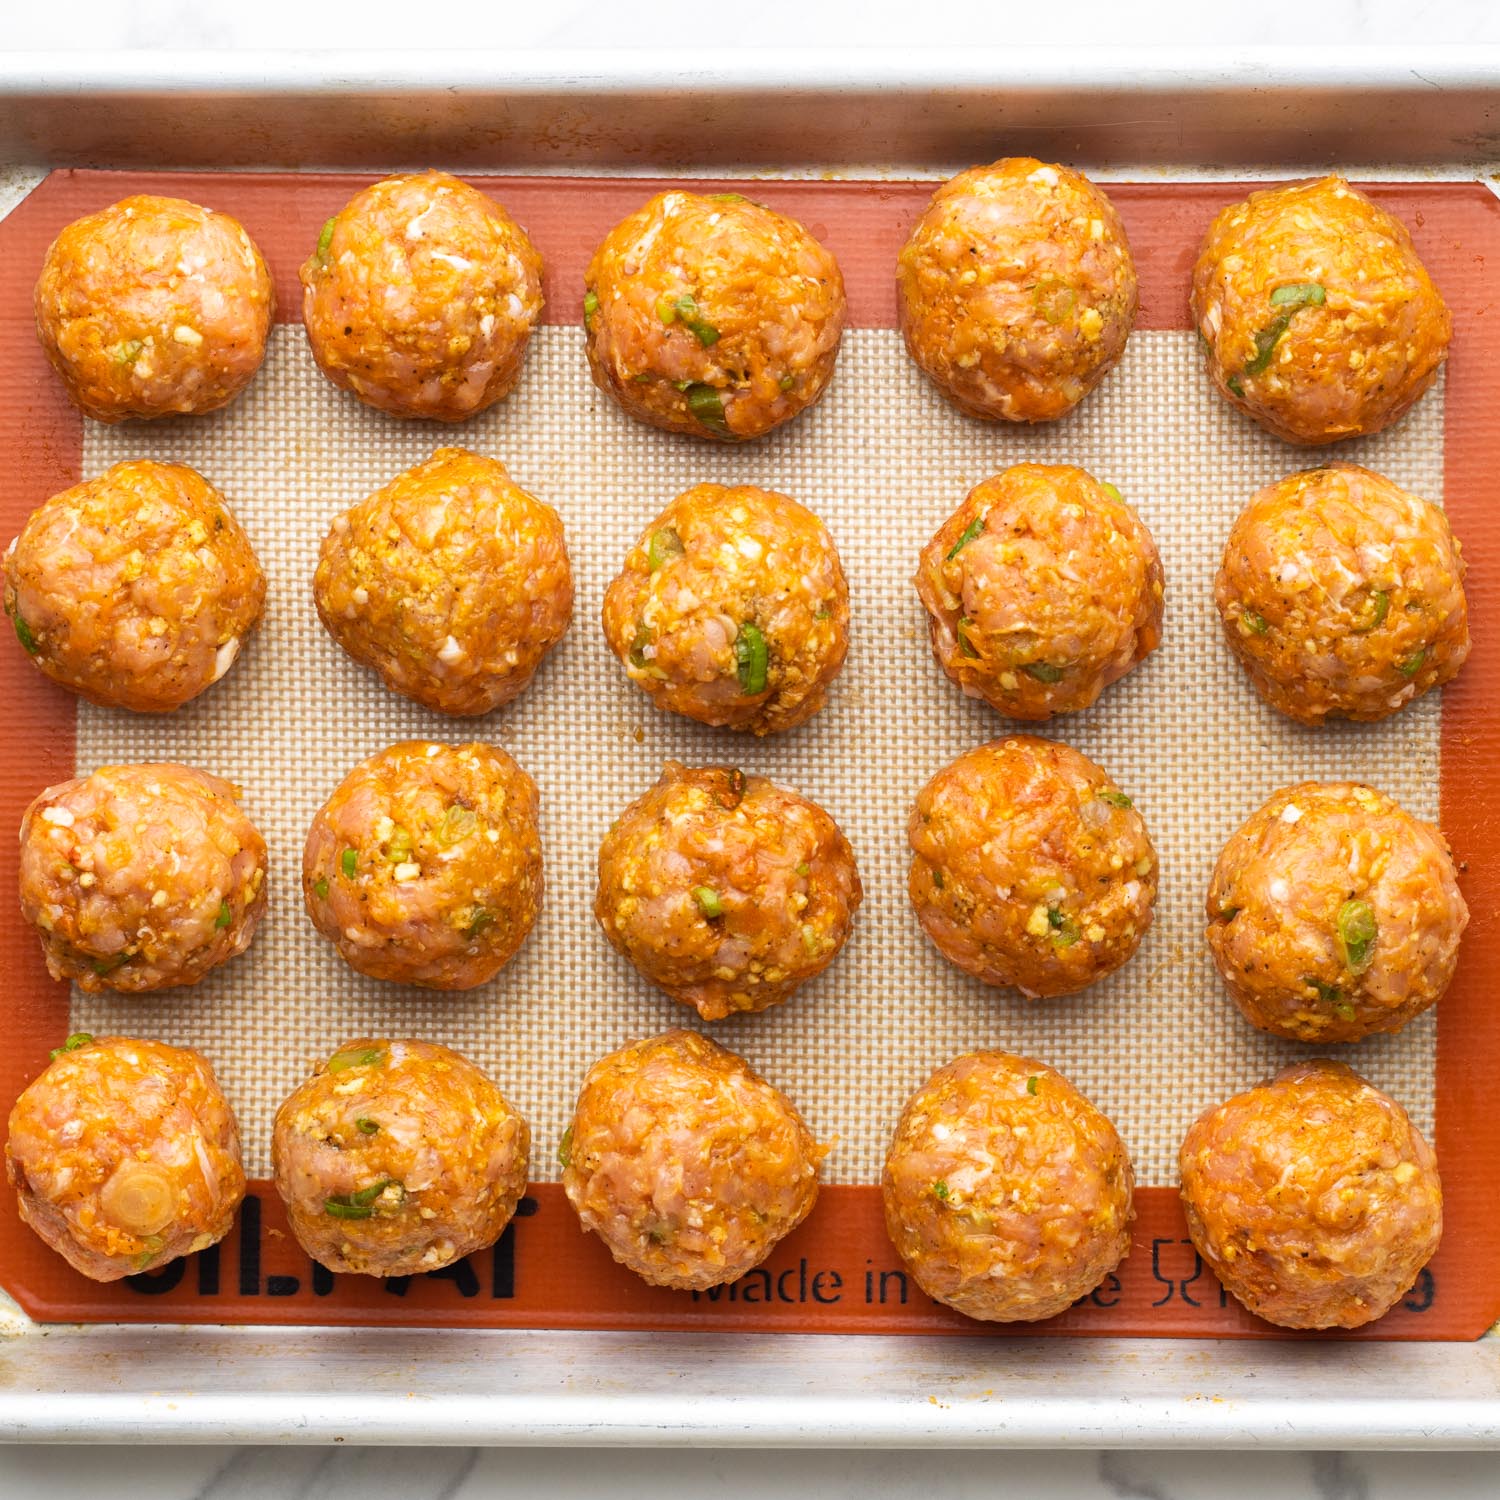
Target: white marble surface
pixel 210 1473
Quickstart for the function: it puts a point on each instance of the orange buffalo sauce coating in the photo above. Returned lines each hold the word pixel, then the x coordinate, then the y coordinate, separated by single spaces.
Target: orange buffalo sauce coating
pixel 398 1157
pixel 137 589
pixel 1030 868
pixel 732 609
pixel 1312 1197
pixel 1007 1194
pixel 1041 589
pixel 450 581
pixel 1342 595
pixel 124 1155
pixel 154 307
pixel 425 865
pixel 1316 314
pixel 1333 913
pixel 713 316
pixel 420 297
pixel 686 1163
pixel 726 890
pixel 1016 290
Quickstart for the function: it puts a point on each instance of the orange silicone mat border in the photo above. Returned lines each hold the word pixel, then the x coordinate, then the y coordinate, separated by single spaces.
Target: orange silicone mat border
pixel 837 1273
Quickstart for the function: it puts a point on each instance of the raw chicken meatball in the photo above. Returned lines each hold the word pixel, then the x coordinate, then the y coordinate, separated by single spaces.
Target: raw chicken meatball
pixel 1316 315
pixel 425 866
pixel 421 296
pixel 1016 290
pixel 726 890
pixel 732 609
pixel 1312 1198
pixel 1041 589
pixel 451 582
pixel 398 1157
pixel 124 1155
pixel 141 877
pixel 1333 914
pixel 1030 867
pixel 136 589
pixel 1007 1194
pixel 686 1163
pixel 154 307
pixel 1343 595
pixel 713 316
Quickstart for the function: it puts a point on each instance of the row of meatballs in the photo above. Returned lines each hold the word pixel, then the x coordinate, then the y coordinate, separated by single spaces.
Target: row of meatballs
pixel 1340 593
pixel 1332 913
pixel 1008 1195
pixel 715 316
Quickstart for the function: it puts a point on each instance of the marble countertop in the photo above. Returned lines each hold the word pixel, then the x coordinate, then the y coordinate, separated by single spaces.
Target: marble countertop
pixel 212 1473
pixel 467 1474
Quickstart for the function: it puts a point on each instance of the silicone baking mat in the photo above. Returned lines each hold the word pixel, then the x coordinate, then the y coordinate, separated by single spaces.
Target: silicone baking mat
pixel 882 460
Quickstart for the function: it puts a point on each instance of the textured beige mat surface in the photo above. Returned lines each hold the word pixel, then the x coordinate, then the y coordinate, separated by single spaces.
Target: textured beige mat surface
pixel 883 460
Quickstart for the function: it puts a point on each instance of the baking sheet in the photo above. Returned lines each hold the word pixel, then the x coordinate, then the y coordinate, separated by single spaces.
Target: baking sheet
pixel 882 460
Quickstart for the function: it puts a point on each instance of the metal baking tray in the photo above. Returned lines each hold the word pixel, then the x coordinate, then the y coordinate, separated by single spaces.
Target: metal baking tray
pixel 1410 113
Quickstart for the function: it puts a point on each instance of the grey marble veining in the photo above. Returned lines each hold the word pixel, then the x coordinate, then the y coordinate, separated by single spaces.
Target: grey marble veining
pixel 471 1474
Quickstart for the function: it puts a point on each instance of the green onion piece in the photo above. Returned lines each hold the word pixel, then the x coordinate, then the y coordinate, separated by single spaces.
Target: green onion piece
pixel 786 383
pixel 320 889
pixel 224 916
pixel 972 530
pixel 341 1208
pixel 366 1126
pixel 1413 663
pixel 666 309
pixel 398 848
pixel 729 197
pixel 961 631
pixel 709 902
pixel 665 545
pixel 23 630
pixel 369 1194
pixel 1329 994
pixel 1265 342
pixel 1377 607
pixel 823 612
pixel 151 1247
pixel 1234 385
pixel 937 877
pixel 458 823
pixel 349 862
pixel 1064 928
pixel 356 1057
pixel 752 658
pixel 565 1148
pixel 1345 1010
pixel 1299 294
pixel 1055 300
pixel 1031 1086
pixel 1357 932
pixel 1043 671
pixel 1229 913
pixel 638 648
pixel 481 919
pixel 1252 622
pixel 128 351
pixel 1111 491
pixel 734 789
pixel 108 964
pixel 1114 798
pixel 685 311
pixel 590 306
pixel 940 1191
pixel 804 869
pixel 325 239
pixel 707 406
pixel 72 1043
